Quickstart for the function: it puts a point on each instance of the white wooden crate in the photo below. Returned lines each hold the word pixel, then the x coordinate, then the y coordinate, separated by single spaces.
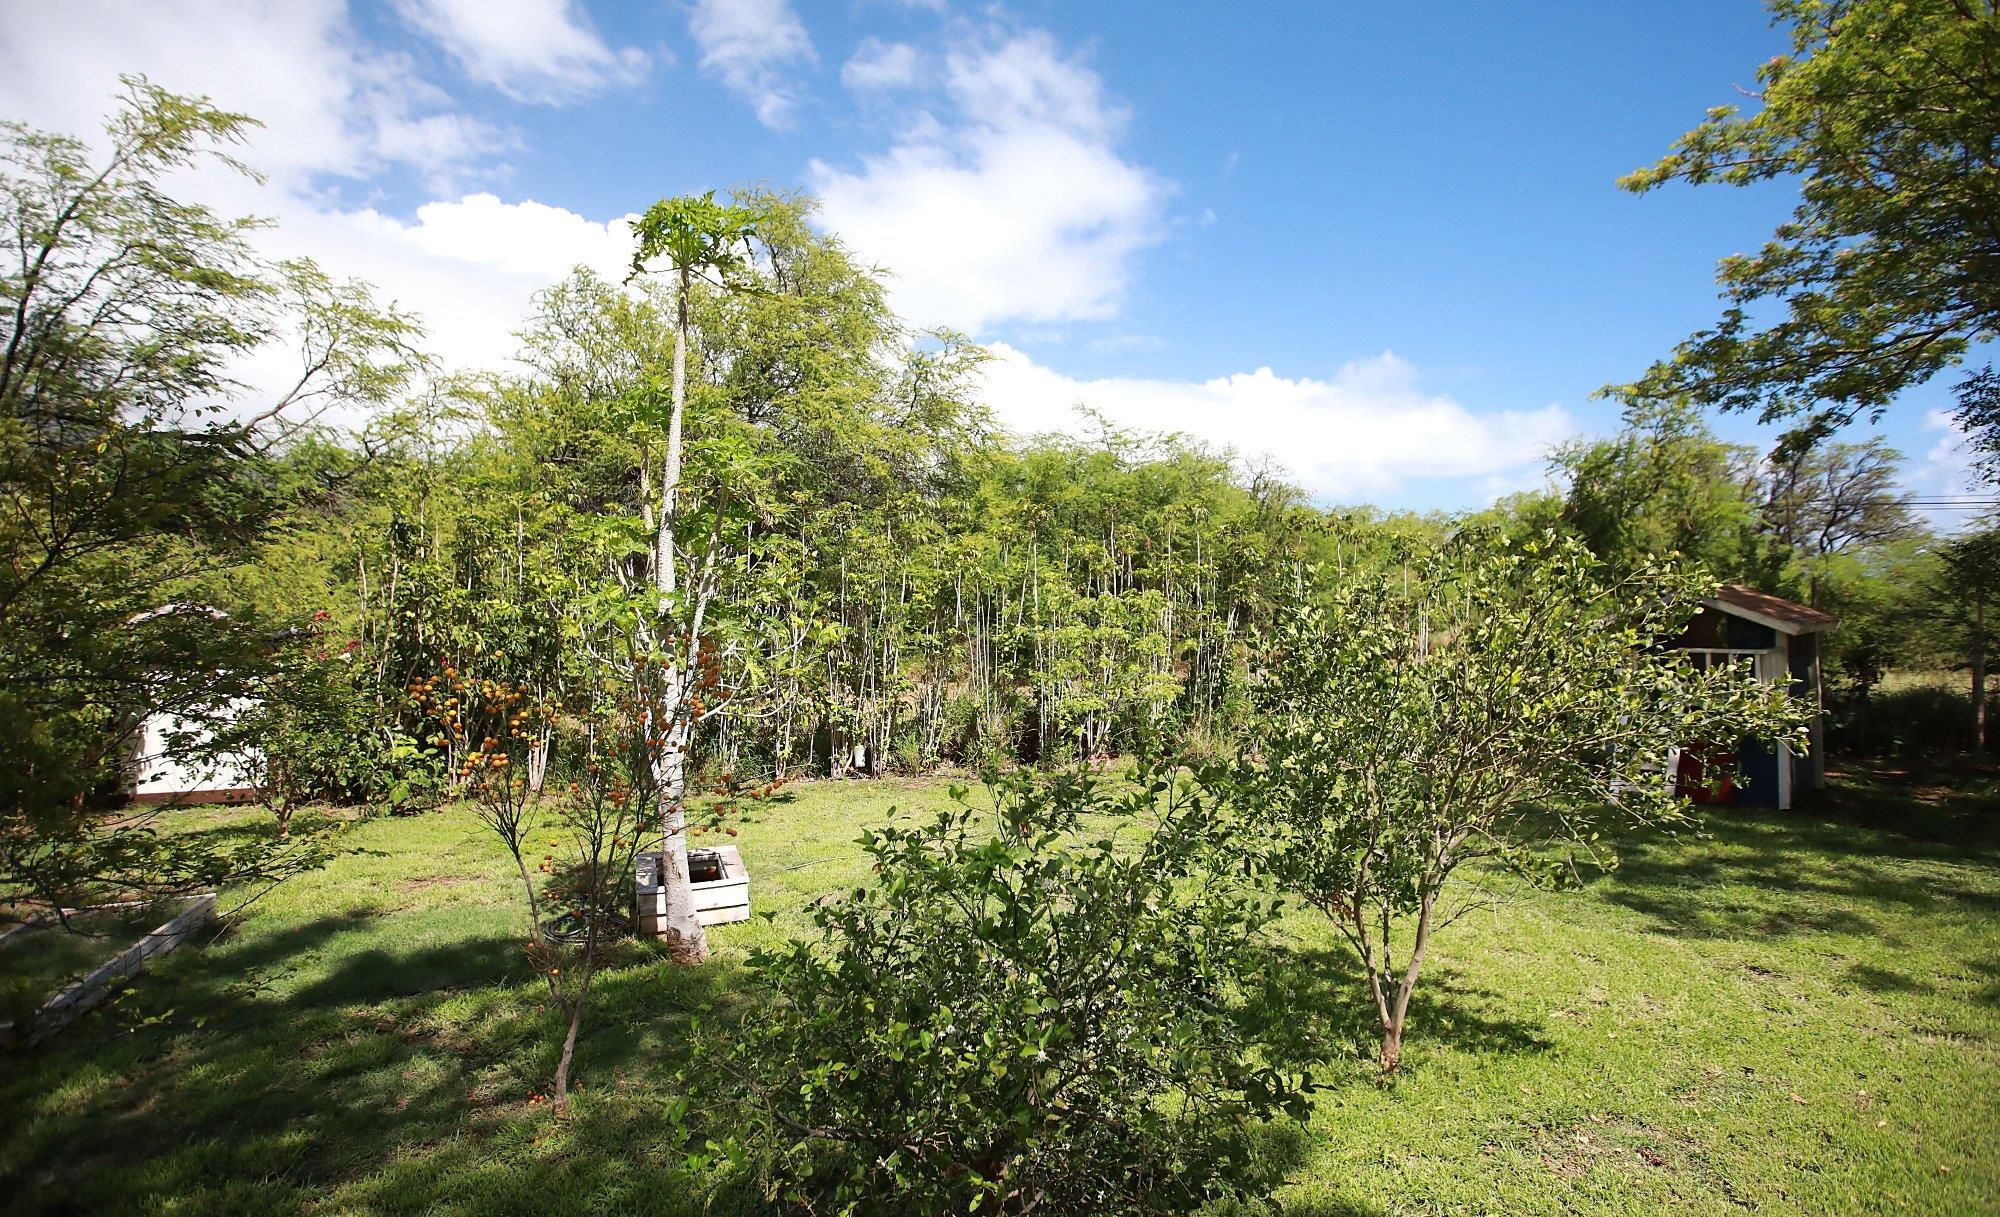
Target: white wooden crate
pixel 716 902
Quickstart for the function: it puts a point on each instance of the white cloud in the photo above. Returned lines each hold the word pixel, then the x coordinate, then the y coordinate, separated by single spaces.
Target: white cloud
pixel 1026 81
pixel 439 144
pixel 1947 467
pixel 331 109
pixel 1018 208
pixel 327 106
pixel 1947 470
pixel 879 65
pixel 531 50
pixel 751 46
pixel 525 238
pixel 1129 342
pixel 1367 431
pixel 470 268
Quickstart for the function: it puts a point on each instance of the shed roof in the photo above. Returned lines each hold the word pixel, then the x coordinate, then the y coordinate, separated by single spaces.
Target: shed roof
pixel 1785 616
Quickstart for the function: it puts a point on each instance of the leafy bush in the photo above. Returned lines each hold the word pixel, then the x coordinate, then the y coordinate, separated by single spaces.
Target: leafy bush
pixel 306 737
pixel 1031 1011
pixel 1900 722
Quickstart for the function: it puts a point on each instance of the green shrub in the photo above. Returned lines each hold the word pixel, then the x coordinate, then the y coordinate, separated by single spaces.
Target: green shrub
pixel 1029 1012
pixel 1900 722
pixel 306 737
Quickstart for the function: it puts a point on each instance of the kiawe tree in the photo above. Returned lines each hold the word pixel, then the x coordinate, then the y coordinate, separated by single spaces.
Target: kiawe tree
pixel 1486 706
pixel 1888 272
pixel 1664 486
pixel 1824 503
pixel 136 470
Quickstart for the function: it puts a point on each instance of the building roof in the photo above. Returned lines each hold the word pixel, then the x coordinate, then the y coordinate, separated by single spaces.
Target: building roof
pixel 1782 615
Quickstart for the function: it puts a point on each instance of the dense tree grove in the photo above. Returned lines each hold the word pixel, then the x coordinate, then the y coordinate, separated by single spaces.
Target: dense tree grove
pixel 897 584
pixel 736 479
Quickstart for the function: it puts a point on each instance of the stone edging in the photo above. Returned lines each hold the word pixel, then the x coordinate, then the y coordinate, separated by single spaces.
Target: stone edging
pixel 62 1009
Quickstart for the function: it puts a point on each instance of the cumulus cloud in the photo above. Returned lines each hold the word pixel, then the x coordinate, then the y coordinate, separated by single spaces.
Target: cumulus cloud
pixel 525 238
pixel 470 268
pixel 877 65
pixel 753 48
pixel 531 50
pixel 331 110
pixel 1016 206
pixel 327 106
pixel 1369 430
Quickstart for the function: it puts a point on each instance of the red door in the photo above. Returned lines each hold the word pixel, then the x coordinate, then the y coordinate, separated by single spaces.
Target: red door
pixel 1706 774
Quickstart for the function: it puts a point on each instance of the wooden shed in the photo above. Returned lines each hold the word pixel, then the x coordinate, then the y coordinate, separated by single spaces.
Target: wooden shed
pixel 1780 639
pixel 172 762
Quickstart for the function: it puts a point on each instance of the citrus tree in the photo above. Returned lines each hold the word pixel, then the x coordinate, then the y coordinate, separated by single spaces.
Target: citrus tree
pixel 1484 706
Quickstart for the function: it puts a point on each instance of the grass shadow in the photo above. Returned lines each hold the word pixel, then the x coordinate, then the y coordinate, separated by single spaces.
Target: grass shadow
pixel 1753 871
pixel 1313 1008
pixel 1886 980
pixel 321 1055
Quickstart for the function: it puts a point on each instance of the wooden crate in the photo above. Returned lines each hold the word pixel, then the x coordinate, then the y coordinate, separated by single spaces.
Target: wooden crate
pixel 716 902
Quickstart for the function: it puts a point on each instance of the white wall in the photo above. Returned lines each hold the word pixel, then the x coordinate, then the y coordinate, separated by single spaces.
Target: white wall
pixel 161 770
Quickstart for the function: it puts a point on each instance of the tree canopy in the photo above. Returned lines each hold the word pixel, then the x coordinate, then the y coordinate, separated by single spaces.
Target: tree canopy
pixel 1884 113
pixel 138 471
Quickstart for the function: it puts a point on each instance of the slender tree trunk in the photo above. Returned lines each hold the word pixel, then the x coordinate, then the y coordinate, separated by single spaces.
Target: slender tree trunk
pixel 587 968
pixel 1979 677
pixel 568 1054
pixel 538 757
pixel 680 926
pixel 670 476
pixel 1399 1010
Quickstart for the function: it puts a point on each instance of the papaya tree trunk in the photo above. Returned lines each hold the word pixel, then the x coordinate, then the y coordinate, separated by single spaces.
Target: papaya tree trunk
pixel 679 925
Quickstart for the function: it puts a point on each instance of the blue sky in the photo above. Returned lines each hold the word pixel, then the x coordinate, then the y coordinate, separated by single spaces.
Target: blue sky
pixel 1380 244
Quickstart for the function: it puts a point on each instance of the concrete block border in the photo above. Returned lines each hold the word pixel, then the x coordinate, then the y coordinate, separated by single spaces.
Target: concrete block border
pixel 65 1007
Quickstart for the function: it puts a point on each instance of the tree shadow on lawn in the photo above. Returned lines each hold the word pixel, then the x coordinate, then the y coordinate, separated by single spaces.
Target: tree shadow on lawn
pixel 1313 1007
pixel 405 1070
pixel 1820 868
pixel 1990 993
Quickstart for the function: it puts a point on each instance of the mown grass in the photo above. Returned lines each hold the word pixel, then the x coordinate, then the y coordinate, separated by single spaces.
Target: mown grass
pixel 1795 1012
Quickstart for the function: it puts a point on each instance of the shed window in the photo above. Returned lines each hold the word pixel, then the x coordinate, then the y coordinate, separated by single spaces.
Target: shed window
pixel 1704 658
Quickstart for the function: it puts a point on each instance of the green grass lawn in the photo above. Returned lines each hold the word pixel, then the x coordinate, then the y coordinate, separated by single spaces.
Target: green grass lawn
pixel 1797 1012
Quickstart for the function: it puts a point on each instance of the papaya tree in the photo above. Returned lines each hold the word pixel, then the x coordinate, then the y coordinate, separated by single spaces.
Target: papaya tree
pixel 693 239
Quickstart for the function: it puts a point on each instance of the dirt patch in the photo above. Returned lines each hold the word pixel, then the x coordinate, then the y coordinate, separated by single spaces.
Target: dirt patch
pixel 437 883
pixel 1627 1146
